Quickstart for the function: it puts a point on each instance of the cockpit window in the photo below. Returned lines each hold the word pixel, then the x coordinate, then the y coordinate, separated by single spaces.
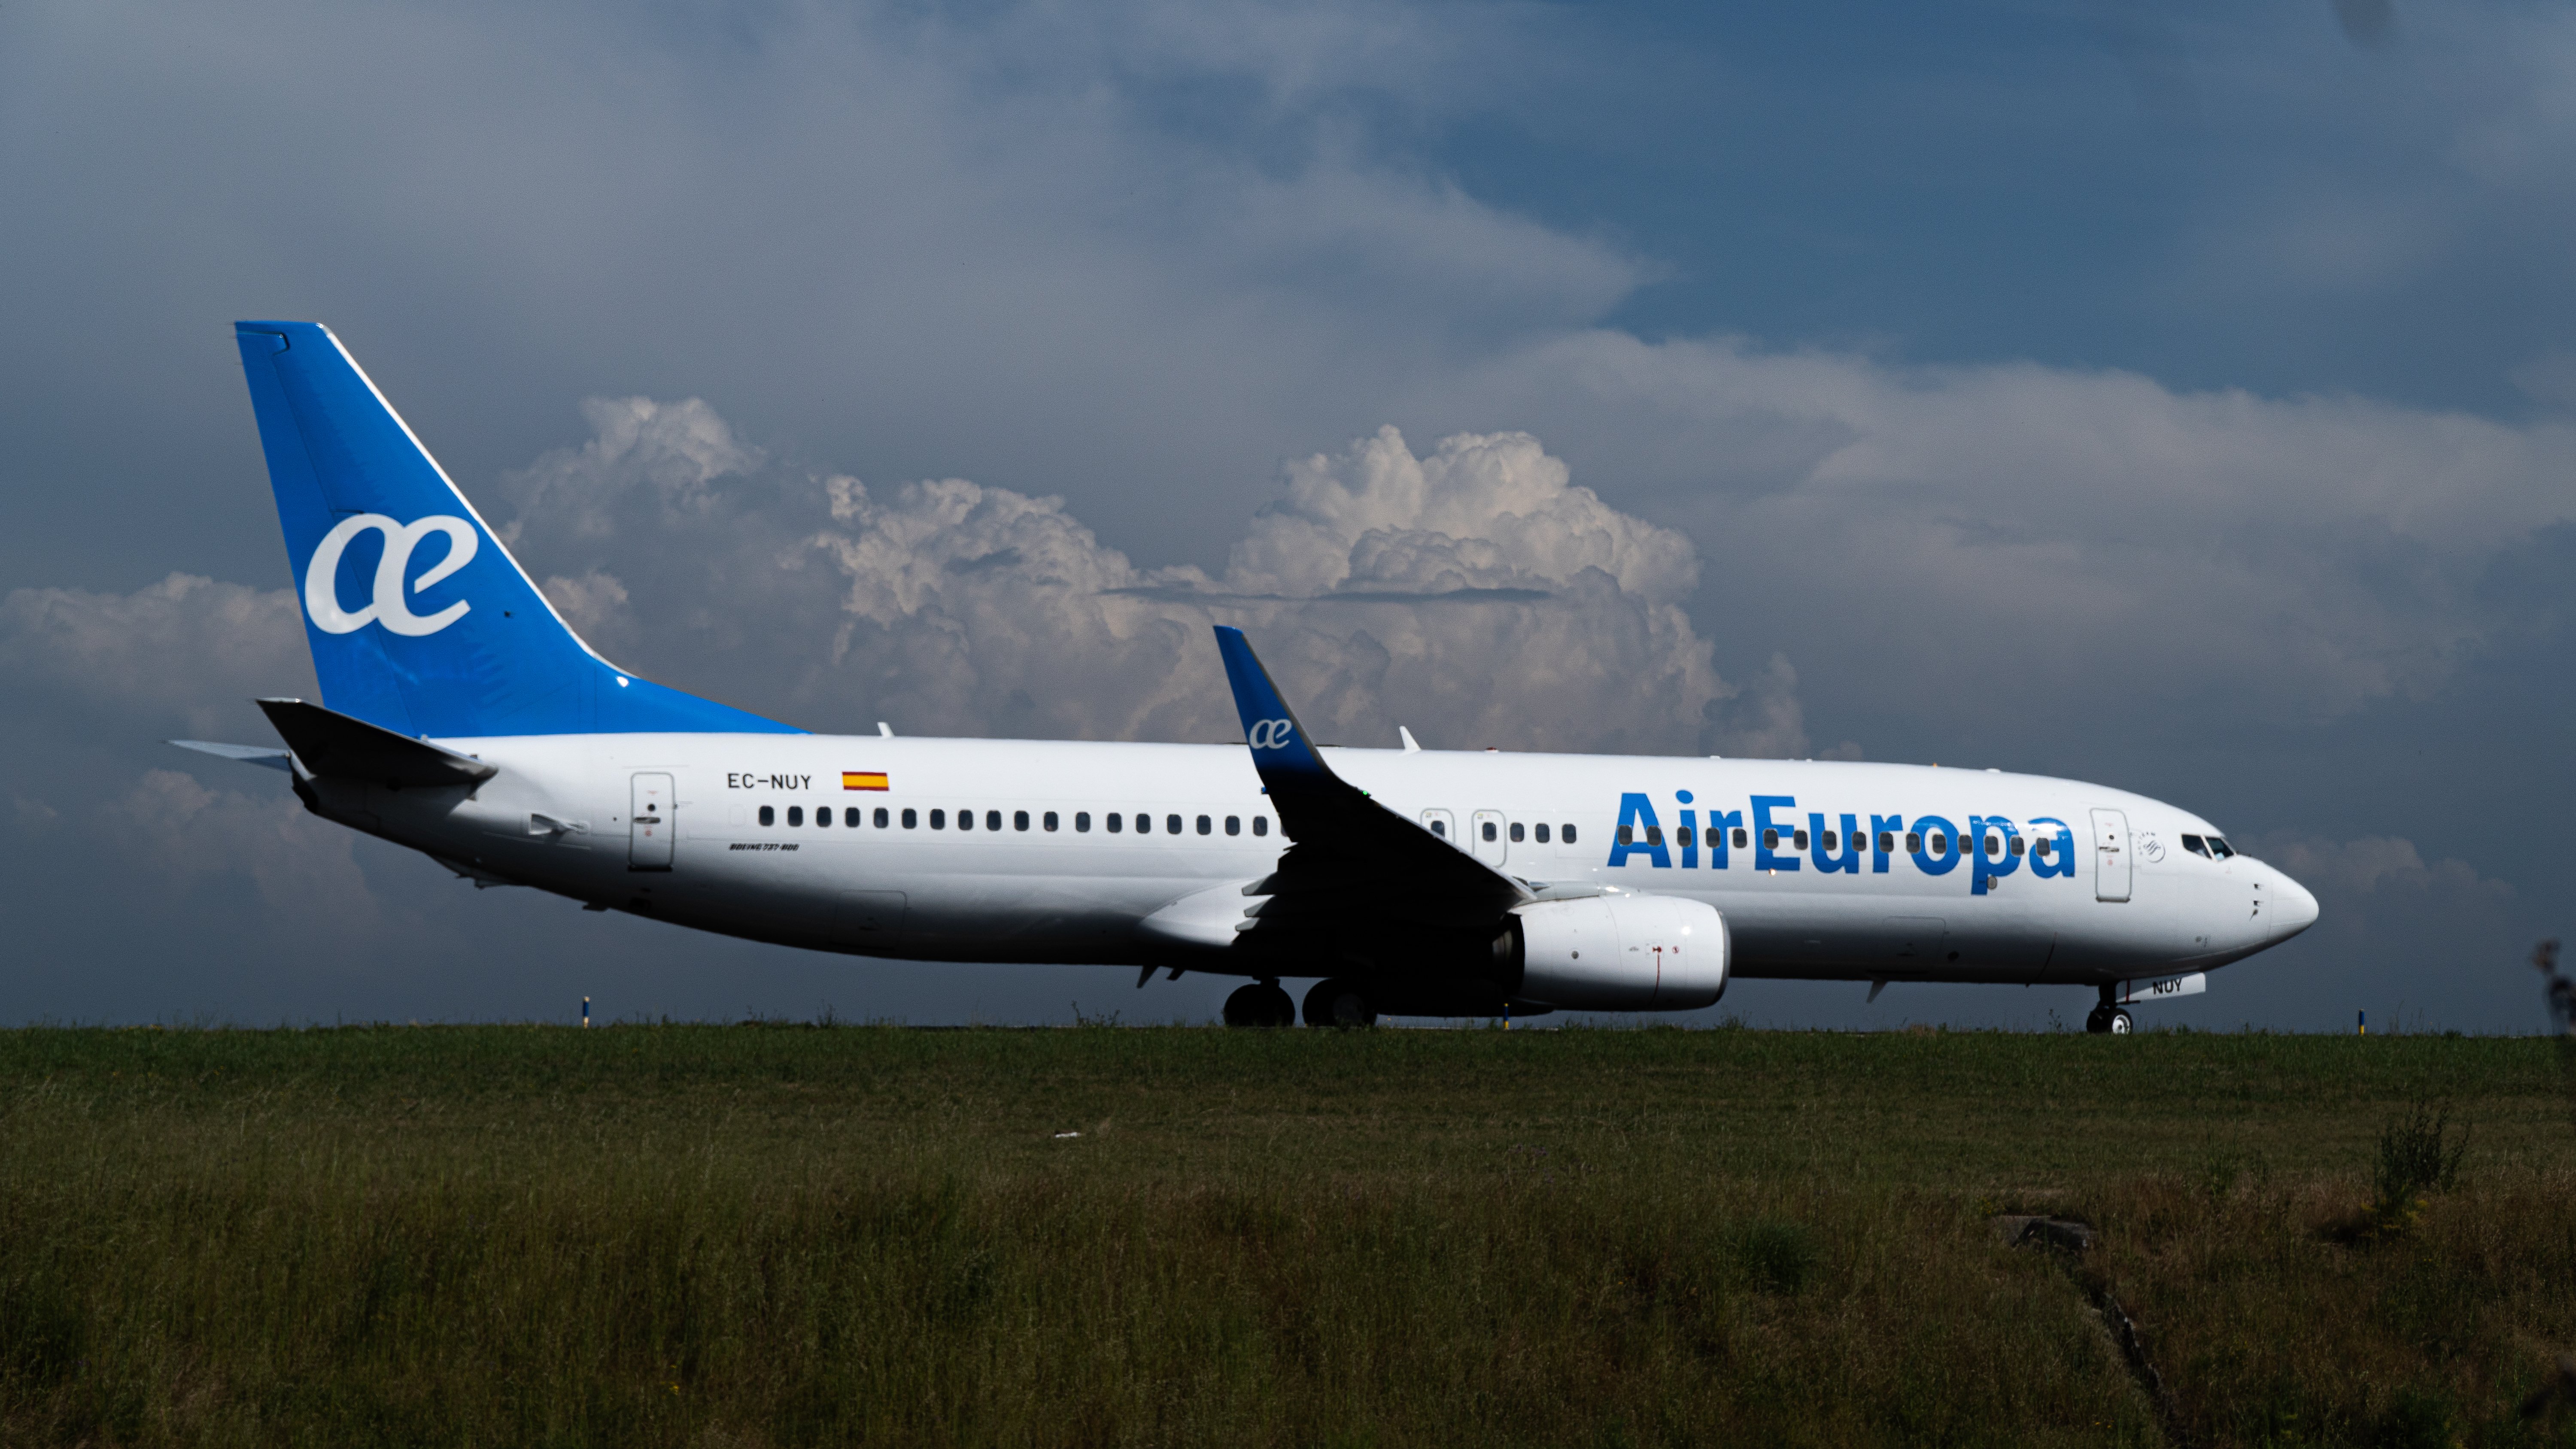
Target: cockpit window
pixel 2220 848
pixel 2195 845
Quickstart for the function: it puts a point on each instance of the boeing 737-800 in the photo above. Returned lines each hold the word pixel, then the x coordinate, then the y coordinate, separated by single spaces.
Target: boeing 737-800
pixel 463 718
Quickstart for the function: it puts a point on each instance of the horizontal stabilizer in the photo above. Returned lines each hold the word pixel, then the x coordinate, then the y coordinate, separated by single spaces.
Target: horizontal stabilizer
pixel 341 746
pixel 269 755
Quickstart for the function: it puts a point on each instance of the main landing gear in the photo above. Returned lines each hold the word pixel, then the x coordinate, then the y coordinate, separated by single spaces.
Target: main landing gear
pixel 1339 1003
pixel 1330 1003
pixel 1260 1004
pixel 2108 1017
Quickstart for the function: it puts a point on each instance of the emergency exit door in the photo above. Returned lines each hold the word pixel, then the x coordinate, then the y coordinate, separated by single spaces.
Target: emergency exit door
pixel 1486 832
pixel 648 824
pixel 2110 856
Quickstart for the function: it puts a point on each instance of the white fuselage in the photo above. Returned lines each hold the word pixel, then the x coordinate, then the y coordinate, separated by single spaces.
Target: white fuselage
pixel 2114 896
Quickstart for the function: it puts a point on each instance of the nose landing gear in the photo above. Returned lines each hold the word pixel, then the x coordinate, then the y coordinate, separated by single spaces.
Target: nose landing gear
pixel 2109 1017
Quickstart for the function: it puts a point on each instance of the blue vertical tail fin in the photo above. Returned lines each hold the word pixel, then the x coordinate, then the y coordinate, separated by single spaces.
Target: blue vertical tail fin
pixel 419 620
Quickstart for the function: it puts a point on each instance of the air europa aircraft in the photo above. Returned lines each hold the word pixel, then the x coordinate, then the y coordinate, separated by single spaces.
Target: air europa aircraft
pixel 463 718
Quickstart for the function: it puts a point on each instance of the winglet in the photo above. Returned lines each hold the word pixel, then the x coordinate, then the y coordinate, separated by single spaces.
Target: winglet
pixel 1281 749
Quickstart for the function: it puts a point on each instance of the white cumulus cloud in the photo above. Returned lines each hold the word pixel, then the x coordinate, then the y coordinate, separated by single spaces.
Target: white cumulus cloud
pixel 182 653
pixel 1474 592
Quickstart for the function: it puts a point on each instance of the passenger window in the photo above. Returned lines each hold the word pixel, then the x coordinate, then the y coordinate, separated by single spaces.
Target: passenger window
pixel 823 817
pixel 2042 846
pixel 938 819
pixel 1490 835
pixel 1940 843
pixel 1627 835
pixel 1828 841
pixel 881 817
pixel 1048 820
pixel 909 819
pixel 1234 825
pixel 1913 842
pixel 1716 838
pixel 2014 845
pixel 1082 822
pixel 1172 825
pixel 795 814
pixel 1542 835
pixel 1770 839
pixel 1516 831
pixel 965 819
pixel 1569 833
pixel 768 814
pixel 1117 822
pixel 1886 842
pixel 1654 835
pixel 993 820
pixel 1799 837
pixel 1994 846
pixel 1441 829
pixel 1739 837
pixel 853 817
pixel 1261 825
pixel 1019 820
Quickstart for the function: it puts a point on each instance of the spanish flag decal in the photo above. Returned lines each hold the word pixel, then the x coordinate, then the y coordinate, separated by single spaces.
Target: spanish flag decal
pixel 863 780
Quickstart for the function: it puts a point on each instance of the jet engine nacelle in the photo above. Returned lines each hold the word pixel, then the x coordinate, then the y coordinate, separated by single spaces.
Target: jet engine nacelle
pixel 1622 953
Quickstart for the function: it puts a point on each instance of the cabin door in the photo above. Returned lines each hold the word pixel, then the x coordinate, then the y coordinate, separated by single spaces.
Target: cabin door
pixel 1488 841
pixel 2110 856
pixel 1444 825
pixel 648 824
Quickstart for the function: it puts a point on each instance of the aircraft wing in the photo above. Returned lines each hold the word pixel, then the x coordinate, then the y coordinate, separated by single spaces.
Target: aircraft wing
pixel 1353 864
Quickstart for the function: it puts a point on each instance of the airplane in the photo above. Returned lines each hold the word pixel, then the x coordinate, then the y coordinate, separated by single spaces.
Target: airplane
pixel 463 718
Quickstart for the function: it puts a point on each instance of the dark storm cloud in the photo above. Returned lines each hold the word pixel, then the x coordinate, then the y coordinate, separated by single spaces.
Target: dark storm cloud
pixel 1063 286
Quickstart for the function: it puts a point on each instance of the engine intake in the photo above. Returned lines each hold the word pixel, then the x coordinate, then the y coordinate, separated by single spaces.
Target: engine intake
pixel 1622 953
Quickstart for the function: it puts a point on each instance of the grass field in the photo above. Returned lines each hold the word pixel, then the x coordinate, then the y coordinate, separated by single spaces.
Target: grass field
pixel 685 1235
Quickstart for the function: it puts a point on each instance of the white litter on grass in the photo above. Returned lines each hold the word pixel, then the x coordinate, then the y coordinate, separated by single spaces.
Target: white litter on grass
pixel 1063 1135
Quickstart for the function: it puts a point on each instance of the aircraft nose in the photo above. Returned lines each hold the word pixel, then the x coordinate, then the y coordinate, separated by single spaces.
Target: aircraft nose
pixel 2294 907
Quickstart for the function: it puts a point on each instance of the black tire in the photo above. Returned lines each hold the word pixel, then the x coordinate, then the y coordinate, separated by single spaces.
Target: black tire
pixel 2118 1024
pixel 1339 1003
pixel 1260 1004
pixel 2099 1022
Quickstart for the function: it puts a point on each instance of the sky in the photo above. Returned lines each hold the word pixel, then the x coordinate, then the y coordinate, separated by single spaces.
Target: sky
pixel 2180 398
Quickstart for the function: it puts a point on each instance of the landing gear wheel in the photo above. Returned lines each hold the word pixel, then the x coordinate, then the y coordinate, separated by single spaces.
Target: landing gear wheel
pixel 1260 1004
pixel 2108 1020
pixel 1339 1003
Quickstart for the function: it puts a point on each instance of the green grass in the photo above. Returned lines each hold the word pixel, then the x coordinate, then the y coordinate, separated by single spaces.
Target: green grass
pixel 771 1236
